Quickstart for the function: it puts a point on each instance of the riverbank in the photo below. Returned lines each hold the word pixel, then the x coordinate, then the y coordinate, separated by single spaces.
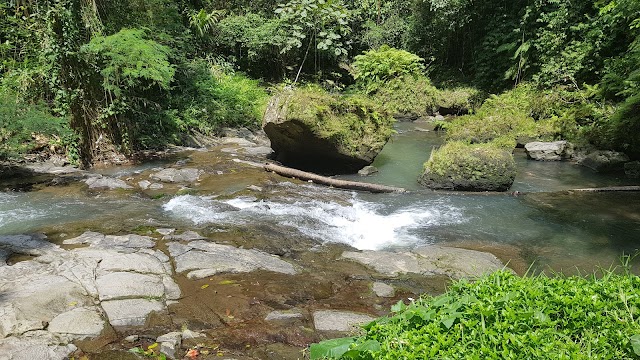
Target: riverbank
pixel 263 265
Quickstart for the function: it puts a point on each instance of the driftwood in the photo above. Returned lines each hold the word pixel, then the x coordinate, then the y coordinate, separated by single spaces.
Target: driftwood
pixel 342 184
pixel 609 189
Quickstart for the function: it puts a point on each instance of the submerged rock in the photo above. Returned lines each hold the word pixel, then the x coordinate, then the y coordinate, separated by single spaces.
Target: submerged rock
pixel 546 151
pixel 383 290
pixel 632 169
pixel 333 320
pixel 429 260
pixel 605 161
pixel 367 170
pixel 102 182
pixel 172 175
pixel 317 131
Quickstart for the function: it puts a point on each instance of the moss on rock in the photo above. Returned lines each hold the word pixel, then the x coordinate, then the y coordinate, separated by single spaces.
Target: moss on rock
pixel 312 129
pixel 476 167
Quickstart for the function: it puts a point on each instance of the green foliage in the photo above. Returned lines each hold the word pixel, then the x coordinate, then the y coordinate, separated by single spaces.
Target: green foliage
pixel 127 60
pixel 377 67
pixel 136 74
pixel 503 316
pixel 21 123
pixel 346 120
pixel 408 95
pixel 208 97
pixel 621 131
pixel 393 32
pixel 253 43
pixel 324 23
pixel 477 167
pixel 512 114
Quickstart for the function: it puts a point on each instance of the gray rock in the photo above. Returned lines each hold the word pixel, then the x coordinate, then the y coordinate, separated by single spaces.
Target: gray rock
pixel 546 151
pixel 132 338
pixel 102 182
pixel 169 343
pixel 368 170
pixel 284 316
pixel 122 285
pixel 188 334
pixel 156 186
pixel 165 231
pixel 98 240
pixel 144 184
pixel 130 312
pixel 332 320
pixel 186 175
pixel 254 188
pixel 383 290
pixel 429 260
pixel 605 161
pixel 237 141
pixel 185 236
pixel 13 348
pixel 136 262
pixel 632 169
pixel 80 322
pixel 259 151
pixel 171 289
pixel 33 294
pixel 27 244
pixel 207 259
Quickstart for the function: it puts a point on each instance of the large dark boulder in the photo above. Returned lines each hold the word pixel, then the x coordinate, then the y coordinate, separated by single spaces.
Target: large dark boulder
pixel 605 161
pixel 312 130
pixel 477 167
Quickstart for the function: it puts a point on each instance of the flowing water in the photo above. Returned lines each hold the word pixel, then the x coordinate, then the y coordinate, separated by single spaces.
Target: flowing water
pixel 544 227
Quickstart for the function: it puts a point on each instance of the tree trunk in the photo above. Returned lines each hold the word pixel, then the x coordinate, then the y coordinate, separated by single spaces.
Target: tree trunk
pixel 342 184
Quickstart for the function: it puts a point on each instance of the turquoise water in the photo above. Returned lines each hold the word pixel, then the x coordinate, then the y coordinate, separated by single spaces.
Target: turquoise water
pixel 544 227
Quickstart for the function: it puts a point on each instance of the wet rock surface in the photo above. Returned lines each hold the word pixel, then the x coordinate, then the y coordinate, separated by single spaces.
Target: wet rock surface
pixel 215 288
pixel 429 260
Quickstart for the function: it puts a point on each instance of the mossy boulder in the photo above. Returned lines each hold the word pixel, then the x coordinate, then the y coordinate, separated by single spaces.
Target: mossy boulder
pixel 478 167
pixel 313 130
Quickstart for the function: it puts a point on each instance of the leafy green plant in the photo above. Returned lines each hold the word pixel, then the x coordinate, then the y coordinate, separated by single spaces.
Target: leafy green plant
pixel 503 316
pixel 323 24
pixel 21 123
pixel 208 97
pixel 376 67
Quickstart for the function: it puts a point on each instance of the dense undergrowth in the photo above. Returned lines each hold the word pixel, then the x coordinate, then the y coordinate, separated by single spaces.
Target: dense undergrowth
pixel 144 74
pixel 503 316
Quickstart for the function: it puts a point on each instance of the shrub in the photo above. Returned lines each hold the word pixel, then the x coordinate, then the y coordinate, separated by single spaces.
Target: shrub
pixel 376 67
pixel 208 97
pixel 509 114
pixel 460 166
pixel 503 316
pixel 21 123
pixel 408 95
pixel 621 131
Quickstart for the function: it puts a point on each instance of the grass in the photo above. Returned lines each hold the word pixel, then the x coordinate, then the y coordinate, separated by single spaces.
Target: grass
pixel 503 316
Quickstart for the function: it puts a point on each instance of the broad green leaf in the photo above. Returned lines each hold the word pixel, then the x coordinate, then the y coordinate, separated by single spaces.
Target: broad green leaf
pixel 332 349
pixel 635 343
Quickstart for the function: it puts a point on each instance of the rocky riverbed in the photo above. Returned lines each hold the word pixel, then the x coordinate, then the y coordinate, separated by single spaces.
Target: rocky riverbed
pixel 230 291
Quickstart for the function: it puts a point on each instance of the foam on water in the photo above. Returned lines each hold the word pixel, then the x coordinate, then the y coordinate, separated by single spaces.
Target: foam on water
pixel 361 224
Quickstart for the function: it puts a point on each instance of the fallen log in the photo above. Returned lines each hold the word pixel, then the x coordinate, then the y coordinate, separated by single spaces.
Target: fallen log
pixel 319 179
pixel 609 189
